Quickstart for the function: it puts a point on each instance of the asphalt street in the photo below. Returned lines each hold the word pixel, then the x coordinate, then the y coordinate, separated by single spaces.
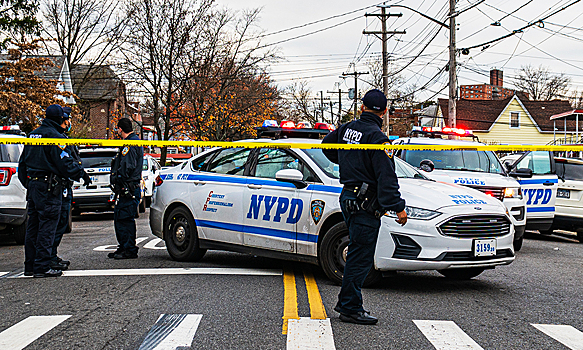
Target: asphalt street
pixel 237 301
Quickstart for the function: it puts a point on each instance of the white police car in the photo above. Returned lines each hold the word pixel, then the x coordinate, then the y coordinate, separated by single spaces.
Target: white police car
pixel 480 170
pixel 150 169
pixel 283 203
pixel 13 206
pixel 98 196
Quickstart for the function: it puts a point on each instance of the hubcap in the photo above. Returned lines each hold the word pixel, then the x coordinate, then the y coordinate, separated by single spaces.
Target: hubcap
pixel 180 234
pixel 344 253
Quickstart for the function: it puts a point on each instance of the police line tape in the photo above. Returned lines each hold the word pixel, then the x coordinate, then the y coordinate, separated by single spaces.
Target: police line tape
pixel 258 144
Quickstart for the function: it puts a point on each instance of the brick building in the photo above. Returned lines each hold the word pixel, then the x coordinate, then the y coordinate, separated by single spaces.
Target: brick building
pixel 492 91
pixel 101 98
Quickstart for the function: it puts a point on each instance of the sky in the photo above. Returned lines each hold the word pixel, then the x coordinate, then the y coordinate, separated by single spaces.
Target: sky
pixel 338 45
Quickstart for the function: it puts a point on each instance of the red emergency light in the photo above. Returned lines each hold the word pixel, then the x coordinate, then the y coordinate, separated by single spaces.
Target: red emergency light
pixel 287 124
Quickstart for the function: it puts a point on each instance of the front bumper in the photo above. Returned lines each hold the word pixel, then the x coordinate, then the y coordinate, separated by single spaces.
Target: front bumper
pixel 100 202
pixel 420 246
pixel 12 216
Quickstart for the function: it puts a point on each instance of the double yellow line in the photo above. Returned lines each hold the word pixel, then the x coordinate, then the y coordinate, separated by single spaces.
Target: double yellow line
pixel 259 144
pixel 290 303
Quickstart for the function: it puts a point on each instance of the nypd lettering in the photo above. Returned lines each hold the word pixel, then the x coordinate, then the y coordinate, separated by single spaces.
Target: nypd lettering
pixel 279 206
pixel 533 196
pixel 466 199
pixel 352 136
pixel 469 181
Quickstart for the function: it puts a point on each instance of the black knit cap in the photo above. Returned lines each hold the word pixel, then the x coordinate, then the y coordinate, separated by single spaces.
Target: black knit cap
pixel 125 124
pixel 375 100
pixel 67 112
pixel 54 113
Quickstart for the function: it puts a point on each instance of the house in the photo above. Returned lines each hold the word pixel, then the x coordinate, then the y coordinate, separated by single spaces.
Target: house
pixel 513 120
pixel 101 98
pixel 492 91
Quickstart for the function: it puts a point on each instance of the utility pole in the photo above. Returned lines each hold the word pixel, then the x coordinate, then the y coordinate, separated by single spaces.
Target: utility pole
pixel 356 75
pixel 383 17
pixel 452 67
pixel 322 105
pixel 339 92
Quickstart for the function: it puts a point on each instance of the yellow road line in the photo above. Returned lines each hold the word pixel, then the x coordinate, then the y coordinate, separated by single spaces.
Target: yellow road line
pixel 290 298
pixel 317 310
pixel 259 144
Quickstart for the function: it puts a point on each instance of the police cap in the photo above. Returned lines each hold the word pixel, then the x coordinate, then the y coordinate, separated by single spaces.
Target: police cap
pixel 54 113
pixel 67 112
pixel 375 100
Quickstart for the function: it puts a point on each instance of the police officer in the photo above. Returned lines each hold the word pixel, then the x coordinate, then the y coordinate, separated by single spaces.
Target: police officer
pixel 41 169
pixel 56 262
pixel 370 189
pixel 126 174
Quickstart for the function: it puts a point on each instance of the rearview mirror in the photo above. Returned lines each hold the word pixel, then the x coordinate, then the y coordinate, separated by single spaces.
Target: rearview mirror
pixel 522 172
pixel 293 176
pixel 426 165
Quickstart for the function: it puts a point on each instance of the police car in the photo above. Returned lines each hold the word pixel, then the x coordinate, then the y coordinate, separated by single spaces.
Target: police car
pixel 150 170
pixel 13 206
pixel 569 205
pixel 283 203
pixel 480 170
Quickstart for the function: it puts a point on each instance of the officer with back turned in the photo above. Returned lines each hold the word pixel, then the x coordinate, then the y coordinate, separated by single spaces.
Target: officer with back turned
pixel 370 190
pixel 126 174
pixel 56 262
pixel 41 170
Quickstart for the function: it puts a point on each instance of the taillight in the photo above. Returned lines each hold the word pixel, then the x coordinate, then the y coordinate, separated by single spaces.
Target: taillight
pixel 159 180
pixel 6 175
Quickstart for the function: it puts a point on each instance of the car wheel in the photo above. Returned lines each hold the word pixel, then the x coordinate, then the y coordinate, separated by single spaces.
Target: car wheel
pixel 69 227
pixel 142 206
pixel 332 255
pixel 181 236
pixel 462 274
pixel 75 212
pixel 580 235
pixel 518 244
pixel 19 233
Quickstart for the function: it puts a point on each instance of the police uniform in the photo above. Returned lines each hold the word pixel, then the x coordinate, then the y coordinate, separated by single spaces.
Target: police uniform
pixel 126 174
pixel 40 170
pixel 370 189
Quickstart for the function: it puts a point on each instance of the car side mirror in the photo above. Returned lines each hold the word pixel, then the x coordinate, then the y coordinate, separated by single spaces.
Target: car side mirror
pixel 293 176
pixel 426 165
pixel 522 172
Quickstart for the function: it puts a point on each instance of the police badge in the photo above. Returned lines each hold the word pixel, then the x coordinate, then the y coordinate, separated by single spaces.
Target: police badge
pixel 125 150
pixel 317 209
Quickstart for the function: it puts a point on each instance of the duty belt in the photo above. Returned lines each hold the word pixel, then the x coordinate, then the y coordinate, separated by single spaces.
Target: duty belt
pixel 43 178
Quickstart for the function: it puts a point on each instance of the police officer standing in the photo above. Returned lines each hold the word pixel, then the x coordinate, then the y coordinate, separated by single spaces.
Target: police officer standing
pixel 126 174
pixel 370 189
pixel 56 262
pixel 40 170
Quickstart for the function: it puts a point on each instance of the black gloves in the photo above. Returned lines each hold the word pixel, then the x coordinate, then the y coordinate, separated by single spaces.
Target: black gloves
pixel 86 179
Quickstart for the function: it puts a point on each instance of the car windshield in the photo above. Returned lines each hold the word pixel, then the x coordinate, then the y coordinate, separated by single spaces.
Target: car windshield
pixel 465 160
pixel 96 159
pixel 145 166
pixel 402 169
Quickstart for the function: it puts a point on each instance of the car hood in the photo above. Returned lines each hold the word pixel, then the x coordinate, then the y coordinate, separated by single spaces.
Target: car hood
pixel 434 195
pixel 470 178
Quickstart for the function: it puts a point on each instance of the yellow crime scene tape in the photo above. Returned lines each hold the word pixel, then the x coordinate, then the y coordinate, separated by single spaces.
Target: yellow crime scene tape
pixel 279 144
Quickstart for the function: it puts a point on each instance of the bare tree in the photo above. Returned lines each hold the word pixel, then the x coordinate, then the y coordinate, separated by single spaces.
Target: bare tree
pixel 297 102
pixel 541 84
pixel 375 78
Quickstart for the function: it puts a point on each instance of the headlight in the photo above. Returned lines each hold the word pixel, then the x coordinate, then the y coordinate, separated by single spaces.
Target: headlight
pixel 416 213
pixel 512 192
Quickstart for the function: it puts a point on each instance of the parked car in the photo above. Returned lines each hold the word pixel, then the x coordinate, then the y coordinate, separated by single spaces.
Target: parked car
pixel 13 205
pixel 149 172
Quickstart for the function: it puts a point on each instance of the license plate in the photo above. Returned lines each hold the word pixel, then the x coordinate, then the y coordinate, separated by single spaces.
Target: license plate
pixel 562 193
pixel 484 247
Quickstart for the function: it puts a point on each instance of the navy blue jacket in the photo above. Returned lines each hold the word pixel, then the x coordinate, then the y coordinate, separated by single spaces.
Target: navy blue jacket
pixel 131 160
pixel 44 160
pixel 374 167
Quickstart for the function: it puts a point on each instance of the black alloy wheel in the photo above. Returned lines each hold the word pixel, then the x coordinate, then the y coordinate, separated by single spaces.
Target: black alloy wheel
pixel 181 236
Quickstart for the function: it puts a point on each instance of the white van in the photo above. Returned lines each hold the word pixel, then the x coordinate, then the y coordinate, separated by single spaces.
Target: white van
pixel 480 170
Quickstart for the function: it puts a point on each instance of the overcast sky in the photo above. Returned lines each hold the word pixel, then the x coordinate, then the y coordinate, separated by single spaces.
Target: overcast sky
pixel 320 58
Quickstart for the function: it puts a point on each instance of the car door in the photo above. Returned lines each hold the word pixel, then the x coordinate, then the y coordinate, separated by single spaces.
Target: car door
pixel 540 191
pixel 570 191
pixel 273 208
pixel 217 183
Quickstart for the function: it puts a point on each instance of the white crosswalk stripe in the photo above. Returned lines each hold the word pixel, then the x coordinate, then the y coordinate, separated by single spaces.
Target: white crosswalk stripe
pixel 167 271
pixel 28 330
pixel 171 332
pixel 446 335
pixel 566 335
pixel 307 333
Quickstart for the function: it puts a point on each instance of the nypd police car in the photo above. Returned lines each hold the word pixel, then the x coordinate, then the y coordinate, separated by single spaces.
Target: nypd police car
pixel 283 203
pixel 480 170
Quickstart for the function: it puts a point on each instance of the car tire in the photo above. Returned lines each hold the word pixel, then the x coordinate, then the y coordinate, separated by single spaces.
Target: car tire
pixel 518 244
pixel 580 235
pixel 142 206
pixel 462 274
pixel 69 227
pixel 75 212
pixel 181 236
pixel 332 255
pixel 19 233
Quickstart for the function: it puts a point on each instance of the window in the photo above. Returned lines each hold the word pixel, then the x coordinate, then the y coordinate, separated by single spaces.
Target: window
pixel 515 120
pixel 200 163
pixel 466 160
pixel 537 161
pixel 270 161
pixel 570 171
pixel 229 161
pixel 10 153
pixel 96 159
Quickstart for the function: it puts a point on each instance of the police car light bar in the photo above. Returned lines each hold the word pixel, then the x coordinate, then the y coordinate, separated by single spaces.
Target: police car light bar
pixel 288 129
pixel 10 127
pixel 443 131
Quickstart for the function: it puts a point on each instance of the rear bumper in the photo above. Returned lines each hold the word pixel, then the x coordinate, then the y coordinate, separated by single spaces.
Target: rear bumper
pixel 539 224
pixel 14 217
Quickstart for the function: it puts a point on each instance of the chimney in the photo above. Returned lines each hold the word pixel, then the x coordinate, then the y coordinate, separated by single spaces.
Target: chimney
pixel 496 77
